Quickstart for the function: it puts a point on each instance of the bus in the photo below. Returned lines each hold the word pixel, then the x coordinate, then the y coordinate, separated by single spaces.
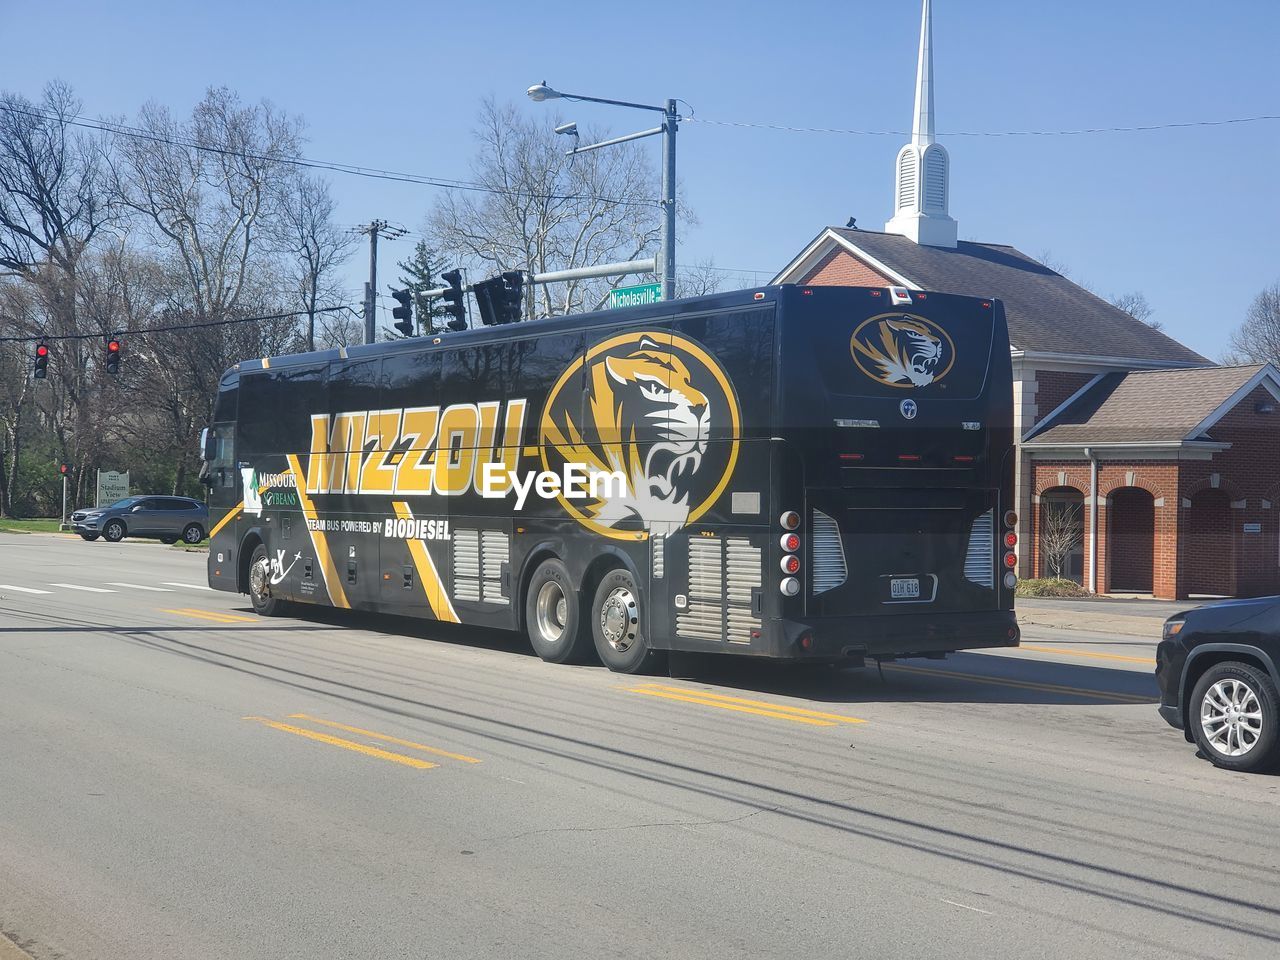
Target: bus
pixel 803 473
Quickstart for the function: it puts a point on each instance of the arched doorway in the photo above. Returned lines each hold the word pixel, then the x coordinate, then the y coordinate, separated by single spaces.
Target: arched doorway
pixel 1131 540
pixel 1061 534
pixel 1209 551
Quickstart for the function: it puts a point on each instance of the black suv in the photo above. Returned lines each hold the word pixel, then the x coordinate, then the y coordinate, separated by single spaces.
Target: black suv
pixel 1216 667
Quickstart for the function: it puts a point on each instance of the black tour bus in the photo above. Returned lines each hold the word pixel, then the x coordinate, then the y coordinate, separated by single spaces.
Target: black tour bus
pixel 819 473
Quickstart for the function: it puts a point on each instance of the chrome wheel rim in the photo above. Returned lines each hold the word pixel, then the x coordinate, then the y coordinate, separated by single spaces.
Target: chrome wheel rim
pixel 1231 717
pixel 260 581
pixel 192 535
pixel 113 532
pixel 620 619
pixel 551 612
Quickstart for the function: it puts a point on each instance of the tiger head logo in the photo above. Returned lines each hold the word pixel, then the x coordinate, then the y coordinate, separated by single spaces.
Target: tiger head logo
pixel 901 350
pixel 652 400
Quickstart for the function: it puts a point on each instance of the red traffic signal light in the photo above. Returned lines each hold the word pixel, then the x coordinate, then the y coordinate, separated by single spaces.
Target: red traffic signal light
pixel 112 360
pixel 64 468
pixel 41 370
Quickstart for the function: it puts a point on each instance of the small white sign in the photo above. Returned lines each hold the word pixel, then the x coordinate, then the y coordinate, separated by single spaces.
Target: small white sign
pixel 112 486
pixel 1253 528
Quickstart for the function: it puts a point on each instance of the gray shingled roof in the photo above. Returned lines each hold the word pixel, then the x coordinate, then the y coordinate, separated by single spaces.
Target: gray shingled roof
pixel 1047 313
pixel 1144 406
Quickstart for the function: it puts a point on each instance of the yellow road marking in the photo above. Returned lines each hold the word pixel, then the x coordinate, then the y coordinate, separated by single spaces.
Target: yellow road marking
pixel 210 615
pixel 1088 653
pixel 1023 684
pixel 761 708
pixel 385 738
pixel 346 744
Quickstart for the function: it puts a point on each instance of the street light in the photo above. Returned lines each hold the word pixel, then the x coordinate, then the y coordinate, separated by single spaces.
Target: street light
pixel 540 92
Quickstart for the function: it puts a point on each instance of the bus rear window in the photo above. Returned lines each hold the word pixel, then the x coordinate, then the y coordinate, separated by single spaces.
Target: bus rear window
pixel 936 350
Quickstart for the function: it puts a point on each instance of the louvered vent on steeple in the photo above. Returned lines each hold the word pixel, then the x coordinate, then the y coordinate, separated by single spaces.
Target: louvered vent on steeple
pixel 906 178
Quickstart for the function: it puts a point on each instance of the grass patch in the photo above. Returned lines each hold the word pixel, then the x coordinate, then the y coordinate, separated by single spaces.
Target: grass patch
pixel 1051 587
pixel 9 525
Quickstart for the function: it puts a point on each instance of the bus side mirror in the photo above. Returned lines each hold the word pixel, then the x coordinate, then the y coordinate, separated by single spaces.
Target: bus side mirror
pixel 208 445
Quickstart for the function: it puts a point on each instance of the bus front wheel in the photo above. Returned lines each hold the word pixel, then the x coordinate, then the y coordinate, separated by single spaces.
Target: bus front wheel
pixel 553 615
pixel 264 604
pixel 617 625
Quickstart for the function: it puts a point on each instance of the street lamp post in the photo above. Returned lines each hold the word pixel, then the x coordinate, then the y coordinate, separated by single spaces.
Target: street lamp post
pixel 670 123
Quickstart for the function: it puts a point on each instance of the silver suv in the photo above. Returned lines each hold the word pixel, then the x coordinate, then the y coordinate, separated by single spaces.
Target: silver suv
pixel 162 518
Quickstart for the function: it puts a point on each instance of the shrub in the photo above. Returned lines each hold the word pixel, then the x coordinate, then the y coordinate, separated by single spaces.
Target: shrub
pixel 1051 587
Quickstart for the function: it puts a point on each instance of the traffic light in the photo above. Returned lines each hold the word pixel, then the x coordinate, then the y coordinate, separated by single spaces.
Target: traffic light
pixel 112 358
pixel 499 300
pixel 403 314
pixel 455 300
pixel 64 468
pixel 41 370
pixel 513 295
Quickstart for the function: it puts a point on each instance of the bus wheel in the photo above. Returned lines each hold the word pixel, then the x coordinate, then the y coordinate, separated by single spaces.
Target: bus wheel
pixel 264 604
pixel 552 614
pixel 617 625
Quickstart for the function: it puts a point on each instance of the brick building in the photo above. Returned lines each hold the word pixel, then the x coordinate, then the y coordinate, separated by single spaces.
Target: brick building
pixel 1143 467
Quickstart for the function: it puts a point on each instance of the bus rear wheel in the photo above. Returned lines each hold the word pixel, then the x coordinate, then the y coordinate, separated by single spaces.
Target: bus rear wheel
pixel 552 613
pixel 617 625
pixel 264 604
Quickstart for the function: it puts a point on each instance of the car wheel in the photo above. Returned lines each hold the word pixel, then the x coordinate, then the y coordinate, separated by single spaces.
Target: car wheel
pixel 89 536
pixel 114 531
pixel 192 533
pixel 552 613
pixel 617 625
pixel 168 539
pixel 1233 713
pixel 264 604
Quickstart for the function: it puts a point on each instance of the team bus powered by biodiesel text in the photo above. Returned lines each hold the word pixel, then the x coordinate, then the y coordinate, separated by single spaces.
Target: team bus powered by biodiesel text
pixel 803 473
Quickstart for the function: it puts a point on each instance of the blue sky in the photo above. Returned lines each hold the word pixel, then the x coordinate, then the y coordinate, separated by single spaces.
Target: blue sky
pixel 1188 217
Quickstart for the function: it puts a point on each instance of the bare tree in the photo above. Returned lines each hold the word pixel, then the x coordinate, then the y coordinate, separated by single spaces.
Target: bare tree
pixel 1061 531
pixel 540 210
pixel 315 245
pixel 1136 305
pixel 1257 340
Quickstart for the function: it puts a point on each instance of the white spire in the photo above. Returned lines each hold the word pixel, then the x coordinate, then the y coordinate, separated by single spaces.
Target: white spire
pixel 922 190
pixel 922 130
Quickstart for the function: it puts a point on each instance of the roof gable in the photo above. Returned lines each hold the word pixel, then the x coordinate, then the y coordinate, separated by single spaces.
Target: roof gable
pixel 1152 406
pixel 1047 313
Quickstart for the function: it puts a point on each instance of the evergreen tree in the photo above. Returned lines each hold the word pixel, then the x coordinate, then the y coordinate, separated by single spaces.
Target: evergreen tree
pixel 420 273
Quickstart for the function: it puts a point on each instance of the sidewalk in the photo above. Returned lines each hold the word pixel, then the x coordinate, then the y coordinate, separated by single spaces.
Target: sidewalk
pixel 1138 618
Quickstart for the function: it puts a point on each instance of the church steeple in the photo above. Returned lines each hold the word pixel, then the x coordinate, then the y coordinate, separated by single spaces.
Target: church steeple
pixel 921 187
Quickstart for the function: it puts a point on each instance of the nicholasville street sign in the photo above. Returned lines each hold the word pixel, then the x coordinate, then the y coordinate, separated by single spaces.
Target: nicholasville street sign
pixel 634 296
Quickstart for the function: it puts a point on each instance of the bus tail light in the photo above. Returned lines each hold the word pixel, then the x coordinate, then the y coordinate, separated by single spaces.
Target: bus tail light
pixel 806 642
pixel 789 586
pixel 1010 580
pixel 790 542
pixel 791 563
pixel 1010 539
pixel 1010 518
pixel 789 520
pixel 1011 560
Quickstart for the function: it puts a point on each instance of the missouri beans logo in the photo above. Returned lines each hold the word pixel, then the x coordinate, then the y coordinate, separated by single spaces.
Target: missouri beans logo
pixel 902 350
pixel 644 405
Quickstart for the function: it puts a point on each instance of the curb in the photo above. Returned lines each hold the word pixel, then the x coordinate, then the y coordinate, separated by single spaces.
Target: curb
pixel 11 951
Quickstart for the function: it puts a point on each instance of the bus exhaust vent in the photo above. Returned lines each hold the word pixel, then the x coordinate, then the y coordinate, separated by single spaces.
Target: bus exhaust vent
pixel 724 580
pixel 829 567
pixel 979 558
pixel 479 560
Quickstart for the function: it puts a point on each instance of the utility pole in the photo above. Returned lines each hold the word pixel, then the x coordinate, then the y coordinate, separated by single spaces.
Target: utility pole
pixel 371 288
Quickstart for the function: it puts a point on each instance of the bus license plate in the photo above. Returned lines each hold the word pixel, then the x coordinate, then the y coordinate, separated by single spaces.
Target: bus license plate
pixel 904 588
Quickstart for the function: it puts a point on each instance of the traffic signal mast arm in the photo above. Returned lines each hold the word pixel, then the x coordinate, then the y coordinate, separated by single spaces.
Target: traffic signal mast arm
pixel 620 269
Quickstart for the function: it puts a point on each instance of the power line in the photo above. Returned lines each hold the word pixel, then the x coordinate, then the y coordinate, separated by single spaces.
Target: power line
pixel 354 170
pixel 171 327
pixel 1139 128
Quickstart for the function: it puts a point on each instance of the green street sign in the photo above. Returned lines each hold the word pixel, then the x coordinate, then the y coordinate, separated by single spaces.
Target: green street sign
pixel 634 296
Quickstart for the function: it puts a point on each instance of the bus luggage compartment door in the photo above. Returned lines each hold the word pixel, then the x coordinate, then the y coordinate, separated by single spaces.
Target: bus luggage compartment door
pixel 896 551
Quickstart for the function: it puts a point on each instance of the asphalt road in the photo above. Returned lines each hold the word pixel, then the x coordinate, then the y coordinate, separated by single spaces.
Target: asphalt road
pixel 179 779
